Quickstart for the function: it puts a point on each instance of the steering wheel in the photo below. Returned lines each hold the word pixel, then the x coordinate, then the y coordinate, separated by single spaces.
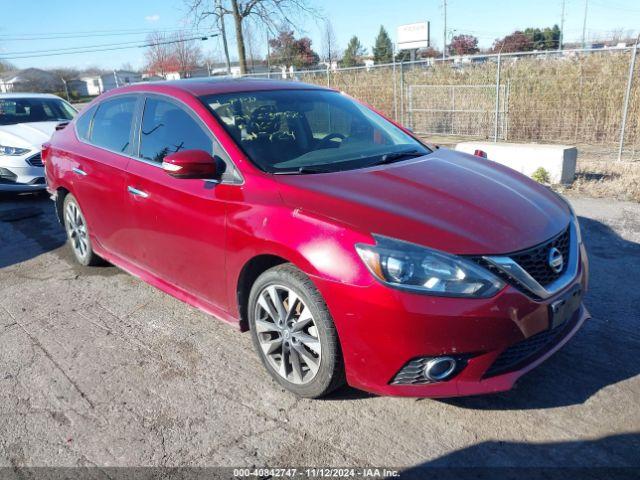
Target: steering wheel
pixel 326 142
pixel 264 120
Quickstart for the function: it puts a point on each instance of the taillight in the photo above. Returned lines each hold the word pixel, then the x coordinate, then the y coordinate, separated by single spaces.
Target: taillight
pixel 46 151
pixel 480 153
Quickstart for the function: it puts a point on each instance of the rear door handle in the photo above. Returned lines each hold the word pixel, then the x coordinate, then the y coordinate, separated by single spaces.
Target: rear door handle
pixel 137 193
pixel 79 171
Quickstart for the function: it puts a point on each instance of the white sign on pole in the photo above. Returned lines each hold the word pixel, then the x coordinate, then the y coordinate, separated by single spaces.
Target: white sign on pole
pixel 413 35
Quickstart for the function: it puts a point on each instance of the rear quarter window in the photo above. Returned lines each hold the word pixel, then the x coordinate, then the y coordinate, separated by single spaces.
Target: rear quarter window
pixel 83 123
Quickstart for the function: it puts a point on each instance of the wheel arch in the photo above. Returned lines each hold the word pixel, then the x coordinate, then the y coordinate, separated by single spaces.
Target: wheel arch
pixel 61 193
pixel 250 271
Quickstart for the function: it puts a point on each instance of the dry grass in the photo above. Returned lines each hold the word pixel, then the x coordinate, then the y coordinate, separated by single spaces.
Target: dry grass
pixel 620 180
pixel 575 100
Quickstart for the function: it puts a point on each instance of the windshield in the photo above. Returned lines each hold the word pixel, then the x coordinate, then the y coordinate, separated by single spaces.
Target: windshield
pixel 310 131
pixel 28 110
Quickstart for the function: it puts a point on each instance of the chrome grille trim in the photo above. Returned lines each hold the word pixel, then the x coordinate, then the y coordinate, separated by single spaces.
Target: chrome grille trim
pixel 511 269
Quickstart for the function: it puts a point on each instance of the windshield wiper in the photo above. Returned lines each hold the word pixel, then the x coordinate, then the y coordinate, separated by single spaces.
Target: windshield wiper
pixel 312 169
pixel 395 156
pixel 303 171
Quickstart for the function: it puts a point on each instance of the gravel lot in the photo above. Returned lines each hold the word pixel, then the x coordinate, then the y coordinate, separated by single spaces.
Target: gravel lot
pixel 98 368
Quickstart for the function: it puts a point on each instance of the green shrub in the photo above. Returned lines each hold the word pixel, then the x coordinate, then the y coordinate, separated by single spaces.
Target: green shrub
pixel 541 176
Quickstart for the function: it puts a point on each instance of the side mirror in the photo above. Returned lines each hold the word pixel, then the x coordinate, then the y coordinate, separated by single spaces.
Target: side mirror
pixel 191 164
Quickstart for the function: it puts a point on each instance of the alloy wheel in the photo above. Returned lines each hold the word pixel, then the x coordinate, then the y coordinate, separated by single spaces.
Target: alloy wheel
pixel 287 334
pixel 76 230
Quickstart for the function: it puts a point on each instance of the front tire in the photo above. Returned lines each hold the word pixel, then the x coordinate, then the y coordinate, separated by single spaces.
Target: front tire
pixel 294 334
pixel 78 233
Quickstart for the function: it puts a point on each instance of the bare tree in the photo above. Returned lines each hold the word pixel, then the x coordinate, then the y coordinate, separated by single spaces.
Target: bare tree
pixel 330 52
pixel 187 53
pixel 5 66
pixel 159 55
pixel 223 34
pixel 272 14
pixel 251 43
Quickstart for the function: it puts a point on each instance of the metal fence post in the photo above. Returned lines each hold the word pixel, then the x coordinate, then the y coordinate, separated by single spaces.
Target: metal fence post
pixel 495 129
pixel 395 92
pixel 627 95
pixel 328 78
pixel 402 93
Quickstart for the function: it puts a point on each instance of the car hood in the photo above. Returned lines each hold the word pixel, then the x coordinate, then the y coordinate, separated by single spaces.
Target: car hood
pixel 27 135
pixel 446 200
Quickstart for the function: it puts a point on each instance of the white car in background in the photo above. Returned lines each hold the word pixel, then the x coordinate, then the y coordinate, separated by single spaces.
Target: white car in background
pixel 27 120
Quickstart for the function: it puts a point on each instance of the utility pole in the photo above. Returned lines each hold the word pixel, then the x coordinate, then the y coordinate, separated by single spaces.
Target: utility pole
pixel 225 47
pixel 561 27
pixel 268 56
pixel 444 32
pixel 584 25
pixel 66 88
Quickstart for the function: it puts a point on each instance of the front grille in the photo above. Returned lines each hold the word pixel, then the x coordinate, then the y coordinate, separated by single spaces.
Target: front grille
pixel 35 160
pixel 526 351
pixel 535 260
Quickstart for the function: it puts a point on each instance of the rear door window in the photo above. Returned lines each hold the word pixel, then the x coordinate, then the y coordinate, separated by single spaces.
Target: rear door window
pixel 167 128
pixel 112 124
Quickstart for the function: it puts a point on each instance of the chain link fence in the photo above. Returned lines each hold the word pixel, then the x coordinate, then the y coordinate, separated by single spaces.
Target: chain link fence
pixel 586 98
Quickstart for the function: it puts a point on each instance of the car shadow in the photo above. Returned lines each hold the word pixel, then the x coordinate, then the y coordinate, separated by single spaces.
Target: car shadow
pixel 28 227
pixel 612 457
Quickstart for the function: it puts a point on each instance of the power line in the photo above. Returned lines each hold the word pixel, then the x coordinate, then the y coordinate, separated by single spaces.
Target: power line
pixel 55 53
pixel 85 47
pixel 90 35
pixel 85 32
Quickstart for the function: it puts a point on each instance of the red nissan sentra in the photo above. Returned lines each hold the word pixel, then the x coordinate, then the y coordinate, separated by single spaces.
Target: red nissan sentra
pixel 351 250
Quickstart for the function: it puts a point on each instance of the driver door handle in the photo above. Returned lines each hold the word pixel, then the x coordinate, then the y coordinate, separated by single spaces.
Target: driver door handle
pixel 137 193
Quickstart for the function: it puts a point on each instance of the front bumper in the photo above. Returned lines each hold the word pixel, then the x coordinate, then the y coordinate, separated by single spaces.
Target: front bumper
pixel 17 175
pixel 382 329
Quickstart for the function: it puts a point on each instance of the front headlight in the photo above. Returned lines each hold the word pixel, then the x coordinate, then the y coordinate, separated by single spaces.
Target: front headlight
pixel 12 151
pixel 412 267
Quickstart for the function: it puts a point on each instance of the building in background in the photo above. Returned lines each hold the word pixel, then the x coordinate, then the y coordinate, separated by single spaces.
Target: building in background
pixel 90 86
pixel 31 80
pixel 119 78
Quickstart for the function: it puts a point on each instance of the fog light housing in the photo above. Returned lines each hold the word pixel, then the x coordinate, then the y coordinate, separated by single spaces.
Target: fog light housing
pixel 440 368
pixel 427 370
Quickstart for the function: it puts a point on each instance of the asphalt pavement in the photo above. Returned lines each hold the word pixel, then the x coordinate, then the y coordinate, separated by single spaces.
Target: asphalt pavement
pixel 98 368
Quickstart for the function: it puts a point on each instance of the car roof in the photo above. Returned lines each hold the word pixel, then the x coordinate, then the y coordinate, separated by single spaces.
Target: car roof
pixel 213 85
pixel 28 95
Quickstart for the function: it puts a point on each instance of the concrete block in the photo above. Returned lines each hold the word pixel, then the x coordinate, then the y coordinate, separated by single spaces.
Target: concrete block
pixel 558 160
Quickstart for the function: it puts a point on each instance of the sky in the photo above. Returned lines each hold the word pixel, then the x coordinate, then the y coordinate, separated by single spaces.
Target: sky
pixel 33 25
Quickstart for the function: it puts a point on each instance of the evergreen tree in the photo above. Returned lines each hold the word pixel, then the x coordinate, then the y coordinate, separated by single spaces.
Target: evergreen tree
pixel 383 49
pixel 354 53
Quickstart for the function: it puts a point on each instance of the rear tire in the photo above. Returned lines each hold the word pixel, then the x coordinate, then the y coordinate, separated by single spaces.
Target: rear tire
pixel 78 233
pixel 294 334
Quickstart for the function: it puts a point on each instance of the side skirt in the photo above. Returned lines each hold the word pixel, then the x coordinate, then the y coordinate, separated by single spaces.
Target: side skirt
pixel 165 286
